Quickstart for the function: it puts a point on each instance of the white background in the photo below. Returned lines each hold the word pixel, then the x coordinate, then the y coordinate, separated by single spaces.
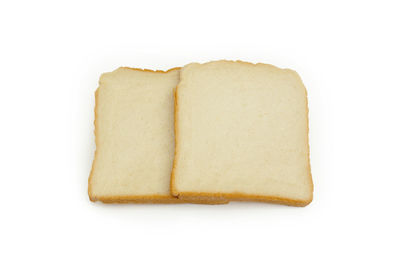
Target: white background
pixel 51 56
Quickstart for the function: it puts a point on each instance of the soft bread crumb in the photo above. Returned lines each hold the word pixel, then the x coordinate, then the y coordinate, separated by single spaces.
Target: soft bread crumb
pixel 242 134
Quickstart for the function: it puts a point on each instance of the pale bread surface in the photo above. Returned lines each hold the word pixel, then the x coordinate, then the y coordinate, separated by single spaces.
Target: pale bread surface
pixel 242 134
pixel 134 136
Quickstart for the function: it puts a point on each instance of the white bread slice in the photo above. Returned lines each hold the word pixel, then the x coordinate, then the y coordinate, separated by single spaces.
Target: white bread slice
pixel 242 134
pixel 134 136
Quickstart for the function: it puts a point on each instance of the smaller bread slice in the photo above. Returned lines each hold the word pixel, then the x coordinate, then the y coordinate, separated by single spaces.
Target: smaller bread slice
pixel 241 134
pixel 134 137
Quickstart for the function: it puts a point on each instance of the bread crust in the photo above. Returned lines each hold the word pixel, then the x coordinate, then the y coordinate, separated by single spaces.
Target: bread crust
pixel 236 196
pixel 136 199
pixel 172 188
pixel 155 199
pixel 245 197
pixel 90 193
pixel 148 70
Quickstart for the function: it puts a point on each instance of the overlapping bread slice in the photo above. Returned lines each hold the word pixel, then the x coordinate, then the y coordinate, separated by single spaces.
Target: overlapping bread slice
pixel 241 134
pixel 134 128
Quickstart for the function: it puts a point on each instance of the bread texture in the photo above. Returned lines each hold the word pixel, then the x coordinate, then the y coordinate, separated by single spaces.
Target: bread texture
pixel 241 133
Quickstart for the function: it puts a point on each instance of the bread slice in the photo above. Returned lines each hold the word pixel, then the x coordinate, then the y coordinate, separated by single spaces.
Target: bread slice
pixel 134 136
pixel 241 134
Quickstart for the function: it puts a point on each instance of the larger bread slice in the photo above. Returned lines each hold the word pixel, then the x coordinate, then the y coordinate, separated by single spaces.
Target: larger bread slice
pixel 134 136
pixel 241 134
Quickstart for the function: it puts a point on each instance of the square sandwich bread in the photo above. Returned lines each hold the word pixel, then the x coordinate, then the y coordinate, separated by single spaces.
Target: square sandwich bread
pixel 134 136
pixel 241 133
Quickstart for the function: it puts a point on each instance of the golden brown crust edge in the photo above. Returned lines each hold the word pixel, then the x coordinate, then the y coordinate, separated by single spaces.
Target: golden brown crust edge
pixel 308 141
pixel 247 197
pixel 90 193
pixel 172 188
pixel 148 70
pixel 155 199
pixel 238 196
pixel 136 199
